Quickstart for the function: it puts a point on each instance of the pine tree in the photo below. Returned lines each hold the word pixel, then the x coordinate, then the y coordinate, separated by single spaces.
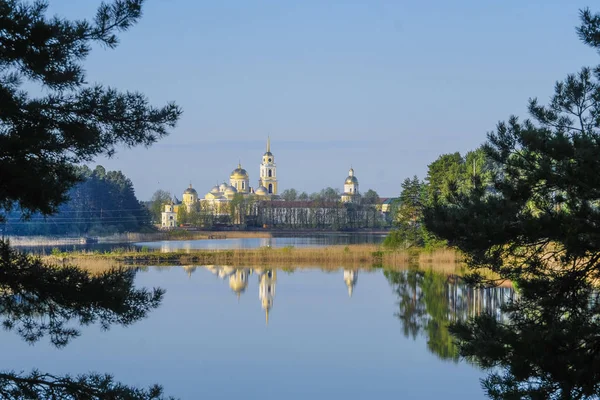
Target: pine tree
pixel 537 226
pixel 43 138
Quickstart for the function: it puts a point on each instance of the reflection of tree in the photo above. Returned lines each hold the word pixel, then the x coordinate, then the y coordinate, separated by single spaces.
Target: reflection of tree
pixel 547 350
pixel 429 302
pixel 91 386
pixel 410 299
pixel 38 300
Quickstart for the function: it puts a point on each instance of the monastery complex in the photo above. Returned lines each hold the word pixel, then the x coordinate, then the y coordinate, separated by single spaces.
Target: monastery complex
pixel 218 200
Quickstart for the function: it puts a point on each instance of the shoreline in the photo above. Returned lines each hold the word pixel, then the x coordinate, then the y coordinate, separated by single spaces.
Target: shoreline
pixel 331 258
pixel 363 255
pixel 127 238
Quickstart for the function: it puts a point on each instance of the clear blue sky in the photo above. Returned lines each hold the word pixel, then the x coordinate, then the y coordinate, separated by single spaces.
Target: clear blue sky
pixel 386 86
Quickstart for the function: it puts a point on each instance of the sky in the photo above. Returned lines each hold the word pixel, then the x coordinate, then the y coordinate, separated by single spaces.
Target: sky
pixel 382 86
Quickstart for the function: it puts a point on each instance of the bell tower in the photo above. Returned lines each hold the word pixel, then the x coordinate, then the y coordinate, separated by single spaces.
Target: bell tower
pixel 268 170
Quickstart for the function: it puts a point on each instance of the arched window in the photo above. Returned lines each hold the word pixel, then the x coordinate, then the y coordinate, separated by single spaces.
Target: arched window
pixel 243 186
pixel 270 188
pixel 270 173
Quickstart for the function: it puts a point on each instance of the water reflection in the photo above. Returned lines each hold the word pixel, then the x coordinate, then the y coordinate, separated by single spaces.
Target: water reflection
pixel 253 243
pixel 350 277
pixel 38 300
pixel 266 290
pixel 429 301
pixel 238 279
pixel 238 282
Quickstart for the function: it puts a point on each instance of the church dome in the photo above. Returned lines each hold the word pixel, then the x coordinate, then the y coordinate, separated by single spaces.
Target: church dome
pixel 215 189
pixel 268 154
pixel 222 187
pixel 261 191
pixel 190 190
pixel 230 190
pixel 350 180
pixel 239 173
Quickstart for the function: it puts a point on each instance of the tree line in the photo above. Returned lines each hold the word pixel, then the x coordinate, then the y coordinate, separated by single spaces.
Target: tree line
pixel 104 202
pixel 448 174
pixel 529 217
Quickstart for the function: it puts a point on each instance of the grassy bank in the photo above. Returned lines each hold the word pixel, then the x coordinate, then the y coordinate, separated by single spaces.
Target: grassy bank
pixel 348 256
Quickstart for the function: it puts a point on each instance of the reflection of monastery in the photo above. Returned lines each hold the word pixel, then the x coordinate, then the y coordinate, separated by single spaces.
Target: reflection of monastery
pixel 218 200
pixel 267 279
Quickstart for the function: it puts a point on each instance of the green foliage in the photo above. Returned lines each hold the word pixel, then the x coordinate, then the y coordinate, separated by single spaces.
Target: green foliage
pixel 449 174
pixel 182 214
pixel 303 196
pixel 409 213
pixel 443 174
pixel 159 199
pixel 43 138
pixel 370 197
pixel 536 224
pixel 289 195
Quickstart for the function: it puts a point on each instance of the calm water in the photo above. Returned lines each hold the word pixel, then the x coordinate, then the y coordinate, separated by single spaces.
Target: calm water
pixel 277 241
pixel 223 333
pixel 250 243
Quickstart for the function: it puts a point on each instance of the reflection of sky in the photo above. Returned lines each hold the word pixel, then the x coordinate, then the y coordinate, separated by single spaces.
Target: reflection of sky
pixel 204 342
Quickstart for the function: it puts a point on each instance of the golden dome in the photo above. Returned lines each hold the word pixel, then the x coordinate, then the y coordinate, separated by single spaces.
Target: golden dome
pixel 351 180
pixel 230 190
pixel 190 190
pixel 239 173
pixel 261 191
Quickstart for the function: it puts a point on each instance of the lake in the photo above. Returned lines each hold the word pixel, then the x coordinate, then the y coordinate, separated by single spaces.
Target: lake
pixel 251 243
pixel 223 333
pixel 312 240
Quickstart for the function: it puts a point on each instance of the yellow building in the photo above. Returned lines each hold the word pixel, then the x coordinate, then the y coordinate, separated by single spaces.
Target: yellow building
pixel 268 172
pixel 217 202
pixel 190 197
pixel 350 188
pixel 240 180
pixel 239 183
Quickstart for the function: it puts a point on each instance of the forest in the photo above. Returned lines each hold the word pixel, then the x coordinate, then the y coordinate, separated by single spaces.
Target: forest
pixel 104 202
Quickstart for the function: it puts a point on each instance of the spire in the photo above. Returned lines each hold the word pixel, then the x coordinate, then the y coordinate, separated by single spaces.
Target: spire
pixel 268 144
pixel 267 316
pixel 239 163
